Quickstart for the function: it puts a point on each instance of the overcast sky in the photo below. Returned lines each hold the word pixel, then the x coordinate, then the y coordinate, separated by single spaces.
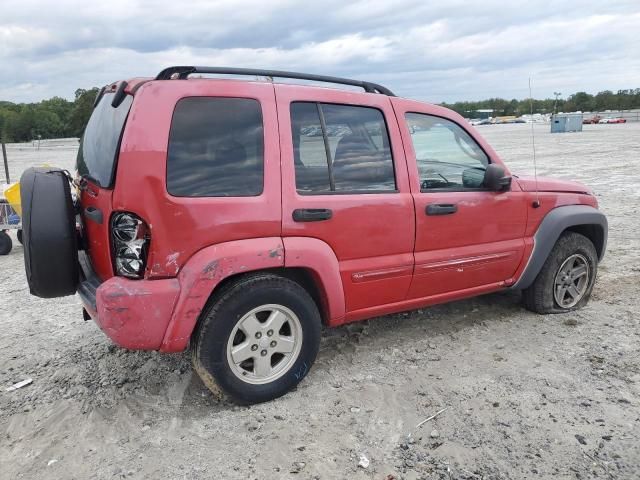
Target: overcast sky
pixel 435 51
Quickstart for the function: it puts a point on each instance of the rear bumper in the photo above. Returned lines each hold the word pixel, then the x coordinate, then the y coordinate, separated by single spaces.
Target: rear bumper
pixel 134 314
pixel 162 314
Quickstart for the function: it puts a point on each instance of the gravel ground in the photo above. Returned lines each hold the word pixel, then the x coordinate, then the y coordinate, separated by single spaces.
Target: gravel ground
pixel 527 396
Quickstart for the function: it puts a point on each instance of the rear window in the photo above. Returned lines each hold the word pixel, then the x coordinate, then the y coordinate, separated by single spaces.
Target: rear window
pixel 99 145
pixel 216 148
pixel 341 149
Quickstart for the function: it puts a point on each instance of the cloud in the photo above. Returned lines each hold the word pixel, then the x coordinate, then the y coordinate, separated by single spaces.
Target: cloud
pixel 431 51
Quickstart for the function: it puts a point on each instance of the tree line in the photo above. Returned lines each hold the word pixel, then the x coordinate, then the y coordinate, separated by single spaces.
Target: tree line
pixel 580 101
pixel 53 118
pixel 60 118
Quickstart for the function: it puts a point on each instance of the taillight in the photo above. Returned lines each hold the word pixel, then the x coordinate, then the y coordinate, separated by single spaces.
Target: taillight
pixel 130 242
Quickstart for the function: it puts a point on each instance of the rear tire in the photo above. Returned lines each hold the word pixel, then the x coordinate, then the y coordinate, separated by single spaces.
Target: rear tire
pixel 237 352
pixel 5 243
pixel 567 277
pixel 19 235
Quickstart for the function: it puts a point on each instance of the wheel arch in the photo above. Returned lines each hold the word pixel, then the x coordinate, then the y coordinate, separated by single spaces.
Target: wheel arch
pixel 209 271
pixel 582 219
pixel 305 277
pixel 595 232
pixel 205 270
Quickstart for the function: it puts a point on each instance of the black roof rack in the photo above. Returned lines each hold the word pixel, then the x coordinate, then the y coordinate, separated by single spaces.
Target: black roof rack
pixel 184 71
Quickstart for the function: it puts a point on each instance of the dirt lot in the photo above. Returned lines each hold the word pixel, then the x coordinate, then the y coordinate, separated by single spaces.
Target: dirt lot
pixel 527 396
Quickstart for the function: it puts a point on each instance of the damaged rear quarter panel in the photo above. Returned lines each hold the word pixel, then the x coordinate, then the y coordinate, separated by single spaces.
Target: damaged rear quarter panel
pixel 205 270
pixel 181 226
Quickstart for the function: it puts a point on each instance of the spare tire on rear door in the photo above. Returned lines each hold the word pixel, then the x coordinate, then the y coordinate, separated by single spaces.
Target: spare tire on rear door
pixel 49 232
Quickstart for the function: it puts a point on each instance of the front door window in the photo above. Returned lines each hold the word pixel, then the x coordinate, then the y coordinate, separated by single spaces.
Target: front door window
pixel 447 157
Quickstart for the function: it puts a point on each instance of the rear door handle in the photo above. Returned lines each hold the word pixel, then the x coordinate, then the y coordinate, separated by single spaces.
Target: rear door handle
pixel 311 214
pixel 441 209
pixel 94 214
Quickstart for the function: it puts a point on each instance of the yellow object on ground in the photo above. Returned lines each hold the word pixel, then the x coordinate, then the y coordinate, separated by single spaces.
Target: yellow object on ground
pixel 12 194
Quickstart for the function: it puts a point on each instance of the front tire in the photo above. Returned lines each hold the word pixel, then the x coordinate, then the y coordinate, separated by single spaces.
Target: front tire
pixel 258 339
pixel 567 277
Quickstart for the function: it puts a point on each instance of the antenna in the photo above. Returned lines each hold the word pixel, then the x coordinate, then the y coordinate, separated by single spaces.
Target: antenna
pixel 536 202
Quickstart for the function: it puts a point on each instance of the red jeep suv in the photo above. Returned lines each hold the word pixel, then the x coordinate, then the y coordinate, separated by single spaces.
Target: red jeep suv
pixel 237 217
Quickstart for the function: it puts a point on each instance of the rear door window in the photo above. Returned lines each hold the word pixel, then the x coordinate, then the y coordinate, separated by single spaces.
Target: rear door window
pixel 341 148
pixel 100 142
pixel 216 148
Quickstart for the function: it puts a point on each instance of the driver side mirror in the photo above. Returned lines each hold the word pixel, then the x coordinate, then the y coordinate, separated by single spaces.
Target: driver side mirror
pixel 495 179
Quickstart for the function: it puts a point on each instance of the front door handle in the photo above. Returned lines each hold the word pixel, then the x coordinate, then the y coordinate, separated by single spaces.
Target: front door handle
pixel 311 214
pixel 441 209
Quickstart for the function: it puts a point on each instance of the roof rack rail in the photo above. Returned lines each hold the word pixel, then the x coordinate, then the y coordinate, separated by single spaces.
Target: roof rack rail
pixel 183 72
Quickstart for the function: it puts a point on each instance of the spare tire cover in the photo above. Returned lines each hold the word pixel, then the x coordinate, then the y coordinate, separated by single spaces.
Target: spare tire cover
pixel 49 232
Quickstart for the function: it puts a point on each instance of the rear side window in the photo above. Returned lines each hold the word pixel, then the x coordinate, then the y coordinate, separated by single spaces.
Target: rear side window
pixel 101 139
pixel 340 148
pixel 216 148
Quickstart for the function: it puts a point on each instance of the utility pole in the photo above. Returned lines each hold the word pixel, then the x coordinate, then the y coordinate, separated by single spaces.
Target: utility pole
pixel 555 105
pixel 6 164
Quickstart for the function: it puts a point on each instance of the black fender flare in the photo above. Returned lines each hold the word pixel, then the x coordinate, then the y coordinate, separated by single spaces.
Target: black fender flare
pixel 580 218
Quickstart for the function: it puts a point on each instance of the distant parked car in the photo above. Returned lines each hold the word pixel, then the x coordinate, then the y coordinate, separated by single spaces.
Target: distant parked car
pixel 612 120
pixel 594 119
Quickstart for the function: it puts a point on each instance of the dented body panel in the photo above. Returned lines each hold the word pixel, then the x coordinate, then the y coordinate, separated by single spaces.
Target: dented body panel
pixel 205 270
pixel 181 226
pixel 135 314
pixel 161 314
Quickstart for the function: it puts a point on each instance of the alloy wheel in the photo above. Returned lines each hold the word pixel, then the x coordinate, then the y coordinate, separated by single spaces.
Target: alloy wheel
pixel 264 344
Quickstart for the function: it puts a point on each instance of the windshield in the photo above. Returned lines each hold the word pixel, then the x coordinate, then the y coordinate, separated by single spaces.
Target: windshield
pixel 101 139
